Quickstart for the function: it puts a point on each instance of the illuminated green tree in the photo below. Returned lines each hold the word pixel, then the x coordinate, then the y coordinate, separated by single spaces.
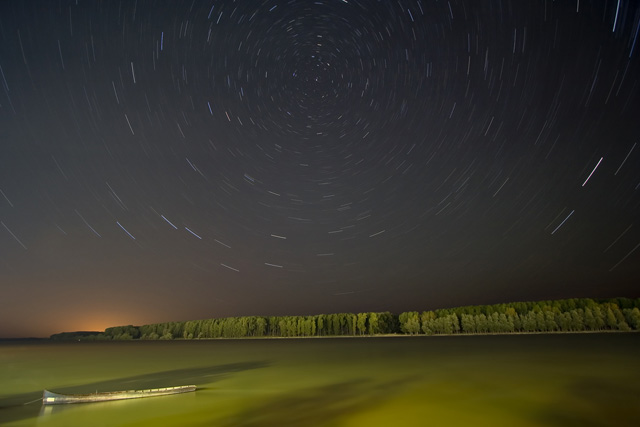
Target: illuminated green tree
pixel 589 320
pixel 320 325
pixel 426 320
pixel 610 320
pixel 468 324
pixel 373 323
pixel 361 323
pixel 633 317
pixel 455 323
pixel 577 319
pixel 409 322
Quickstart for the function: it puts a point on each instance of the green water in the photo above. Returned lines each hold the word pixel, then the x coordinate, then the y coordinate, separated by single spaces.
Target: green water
pixel 516 380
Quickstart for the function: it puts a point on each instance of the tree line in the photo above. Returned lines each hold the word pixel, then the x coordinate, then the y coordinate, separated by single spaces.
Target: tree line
pixel 568 315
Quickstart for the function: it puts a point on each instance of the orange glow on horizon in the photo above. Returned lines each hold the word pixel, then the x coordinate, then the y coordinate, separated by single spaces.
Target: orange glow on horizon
pixel 99 322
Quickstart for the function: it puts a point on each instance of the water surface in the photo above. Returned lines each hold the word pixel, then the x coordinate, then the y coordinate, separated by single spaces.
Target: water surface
pixel 524 380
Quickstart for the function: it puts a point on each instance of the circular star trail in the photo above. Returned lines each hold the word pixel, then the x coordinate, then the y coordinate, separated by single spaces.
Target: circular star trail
pixel 179 160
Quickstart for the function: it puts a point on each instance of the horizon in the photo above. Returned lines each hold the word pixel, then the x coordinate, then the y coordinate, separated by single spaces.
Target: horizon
pixel 304 314
pixel 170 162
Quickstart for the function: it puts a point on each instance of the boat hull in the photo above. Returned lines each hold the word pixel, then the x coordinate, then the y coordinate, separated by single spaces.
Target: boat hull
pixel 51 398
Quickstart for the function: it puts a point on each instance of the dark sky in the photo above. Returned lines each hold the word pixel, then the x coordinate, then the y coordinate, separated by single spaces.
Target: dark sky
pixel 191 159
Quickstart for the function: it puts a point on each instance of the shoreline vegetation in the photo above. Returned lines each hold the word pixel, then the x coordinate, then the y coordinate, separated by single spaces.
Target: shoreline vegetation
pixel 536 317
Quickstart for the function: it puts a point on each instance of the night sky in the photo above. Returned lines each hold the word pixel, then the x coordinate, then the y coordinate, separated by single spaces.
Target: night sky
pixel 182 160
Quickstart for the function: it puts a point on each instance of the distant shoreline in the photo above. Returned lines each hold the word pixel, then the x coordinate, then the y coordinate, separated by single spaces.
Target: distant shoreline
pixel 575 315
pixel 462 334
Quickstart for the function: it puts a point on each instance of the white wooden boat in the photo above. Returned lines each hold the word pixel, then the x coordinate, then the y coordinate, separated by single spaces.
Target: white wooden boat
pixel 51 398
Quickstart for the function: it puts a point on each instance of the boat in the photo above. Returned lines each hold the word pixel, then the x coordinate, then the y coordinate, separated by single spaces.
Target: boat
pixel 51 398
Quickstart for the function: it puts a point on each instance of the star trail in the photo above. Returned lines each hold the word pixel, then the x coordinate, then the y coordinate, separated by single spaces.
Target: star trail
pixel 175 160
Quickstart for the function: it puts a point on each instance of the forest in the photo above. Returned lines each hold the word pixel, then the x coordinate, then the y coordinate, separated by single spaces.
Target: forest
pixel 554 316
